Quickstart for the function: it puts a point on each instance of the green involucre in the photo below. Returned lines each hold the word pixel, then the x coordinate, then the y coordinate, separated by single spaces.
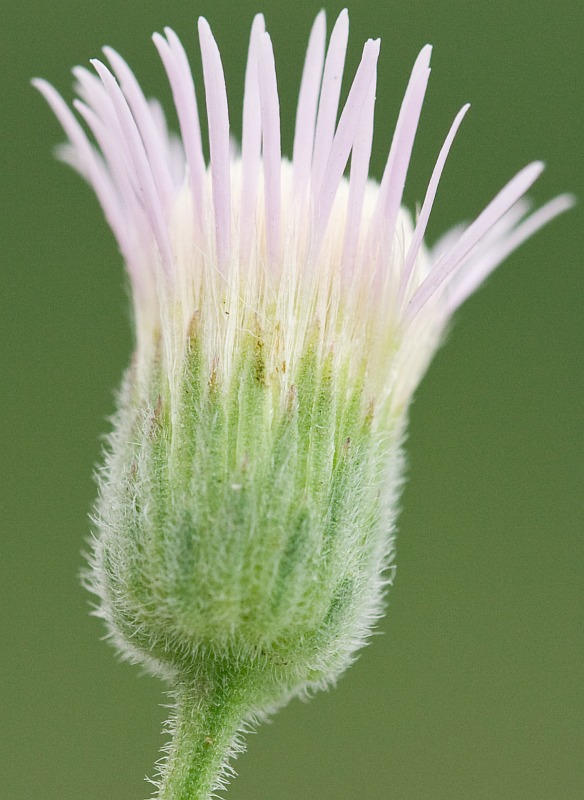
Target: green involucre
pixel 240 527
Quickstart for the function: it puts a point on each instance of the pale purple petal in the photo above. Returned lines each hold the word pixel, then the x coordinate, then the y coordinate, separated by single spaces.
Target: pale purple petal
pixel 360 157
pixel 147 185
pixel 251 140
pixel 270 107
pixel 91 89
pixel 329 98
pixel 88 157
pixel 394 175
pixel 173 146
pixel 180 78
pixel 100 108
pixel 473 275
pixel 505 224
pixel 218 120
pixel 100 104
pixel 344 138
pixel 428 203
pixel 90 164
pixel 307 104
pixel 123 176
pixel 499 206
pixel 156 147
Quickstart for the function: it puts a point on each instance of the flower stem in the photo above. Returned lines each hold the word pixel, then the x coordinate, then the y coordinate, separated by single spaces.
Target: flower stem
pixel 207 715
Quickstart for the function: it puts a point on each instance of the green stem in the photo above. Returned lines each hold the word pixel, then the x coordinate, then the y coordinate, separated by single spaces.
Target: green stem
pixel 206 718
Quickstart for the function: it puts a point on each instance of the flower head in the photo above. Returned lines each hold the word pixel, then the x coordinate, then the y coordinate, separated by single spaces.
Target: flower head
pixel 285 313
pixel 287 242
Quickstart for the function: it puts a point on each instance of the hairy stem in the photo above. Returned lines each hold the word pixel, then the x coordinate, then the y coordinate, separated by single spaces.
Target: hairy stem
pixel 206 717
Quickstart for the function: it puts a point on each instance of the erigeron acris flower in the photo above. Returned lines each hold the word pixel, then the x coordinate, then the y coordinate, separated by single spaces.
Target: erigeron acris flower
pixel 285 314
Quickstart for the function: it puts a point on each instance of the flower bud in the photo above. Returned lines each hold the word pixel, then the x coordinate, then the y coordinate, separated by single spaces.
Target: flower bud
pixel 285 315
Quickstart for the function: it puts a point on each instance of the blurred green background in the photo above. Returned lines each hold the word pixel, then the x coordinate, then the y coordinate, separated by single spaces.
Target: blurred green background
pixel 475 690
